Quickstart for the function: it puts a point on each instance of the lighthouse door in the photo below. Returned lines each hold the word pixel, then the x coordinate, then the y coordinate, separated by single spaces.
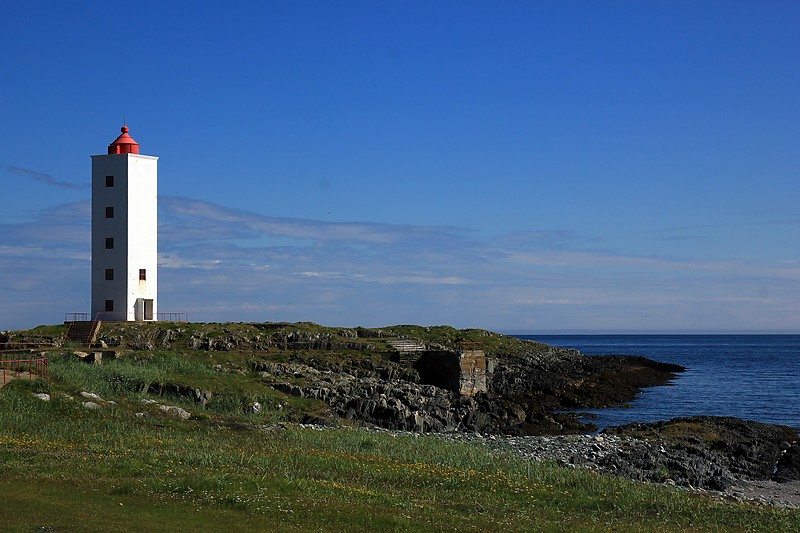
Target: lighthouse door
pixel 143 309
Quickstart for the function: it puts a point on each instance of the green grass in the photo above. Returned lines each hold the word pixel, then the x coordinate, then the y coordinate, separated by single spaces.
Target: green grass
pixel 129 467
pixel 127 376
pixel 71 469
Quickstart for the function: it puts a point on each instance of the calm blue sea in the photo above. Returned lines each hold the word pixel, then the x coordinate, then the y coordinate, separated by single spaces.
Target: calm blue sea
pixel 756 377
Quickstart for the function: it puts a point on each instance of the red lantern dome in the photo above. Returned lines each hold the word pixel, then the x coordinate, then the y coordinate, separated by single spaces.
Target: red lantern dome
pixel 124 144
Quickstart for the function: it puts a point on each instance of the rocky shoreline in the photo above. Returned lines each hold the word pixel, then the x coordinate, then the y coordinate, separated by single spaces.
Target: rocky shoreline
pixel 723 456
pixel 533 389
pixel 756 464
pixel 726 456
pixel 361 375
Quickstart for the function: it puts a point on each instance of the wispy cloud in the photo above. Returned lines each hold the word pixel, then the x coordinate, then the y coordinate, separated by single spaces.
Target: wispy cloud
pixel 59 227
pixel 47 179
pixel 552 239
pixel 227 223
pixel 220 263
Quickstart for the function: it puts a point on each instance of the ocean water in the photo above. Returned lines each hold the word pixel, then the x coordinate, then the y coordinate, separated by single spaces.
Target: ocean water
pixel 755 377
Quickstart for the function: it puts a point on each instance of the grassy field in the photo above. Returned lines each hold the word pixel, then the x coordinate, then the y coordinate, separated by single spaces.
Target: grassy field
pixel 129 466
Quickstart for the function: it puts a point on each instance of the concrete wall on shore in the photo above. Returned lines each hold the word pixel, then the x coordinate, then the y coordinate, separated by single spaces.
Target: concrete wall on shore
pixel 464 372
pixel 472 372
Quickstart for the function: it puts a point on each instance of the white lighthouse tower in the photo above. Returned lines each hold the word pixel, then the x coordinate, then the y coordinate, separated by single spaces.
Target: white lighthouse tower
pixel 124 232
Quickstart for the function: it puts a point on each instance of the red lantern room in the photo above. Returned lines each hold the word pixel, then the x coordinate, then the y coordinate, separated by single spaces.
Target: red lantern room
pixel 124 144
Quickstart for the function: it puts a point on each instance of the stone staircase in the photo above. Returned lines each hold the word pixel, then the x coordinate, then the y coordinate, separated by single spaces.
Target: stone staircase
pixel 406 346
pixel 83 331
pixel 407 351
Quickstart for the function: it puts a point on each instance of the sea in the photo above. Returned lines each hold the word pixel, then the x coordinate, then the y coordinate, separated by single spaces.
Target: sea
pixel 755 377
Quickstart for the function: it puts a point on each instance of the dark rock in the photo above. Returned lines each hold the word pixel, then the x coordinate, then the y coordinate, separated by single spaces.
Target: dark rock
pixel 706 452
pixel 199 396
pixel 788 466
pixel 168 336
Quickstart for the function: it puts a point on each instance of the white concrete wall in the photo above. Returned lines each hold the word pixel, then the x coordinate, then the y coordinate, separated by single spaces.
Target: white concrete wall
pixel 134 228
pixel 142 230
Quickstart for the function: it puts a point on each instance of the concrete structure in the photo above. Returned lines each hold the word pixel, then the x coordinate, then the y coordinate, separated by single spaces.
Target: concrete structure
pixel 474 368
pixel 124 232
pixel 465 371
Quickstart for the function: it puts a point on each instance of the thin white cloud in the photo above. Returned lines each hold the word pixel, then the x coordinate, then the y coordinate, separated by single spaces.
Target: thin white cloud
pixel 419 280
pixel 223 222
pixel 172 260
pixel 219 263
pixel 47 179
pixel 324 275
pixel 550 239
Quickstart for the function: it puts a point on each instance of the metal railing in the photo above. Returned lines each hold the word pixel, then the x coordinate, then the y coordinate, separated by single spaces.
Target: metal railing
pixel 121 316
pixel 172 317
pixel 16 367
pixel 77 317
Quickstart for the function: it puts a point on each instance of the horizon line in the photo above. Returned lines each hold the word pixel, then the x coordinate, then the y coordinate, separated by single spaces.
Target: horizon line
pixel 515 332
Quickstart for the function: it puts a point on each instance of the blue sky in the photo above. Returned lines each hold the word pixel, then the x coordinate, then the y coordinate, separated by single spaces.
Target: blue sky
pixel 516 166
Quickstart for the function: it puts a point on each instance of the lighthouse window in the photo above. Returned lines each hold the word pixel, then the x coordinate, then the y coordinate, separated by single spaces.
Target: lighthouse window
pixel 109 212
pixel 109 181
pixel 109 243
pixel 142 274
pixel 109 274
pixel 109 305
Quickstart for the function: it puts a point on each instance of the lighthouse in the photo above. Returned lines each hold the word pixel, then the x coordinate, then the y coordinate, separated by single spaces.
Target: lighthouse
pixel 124 232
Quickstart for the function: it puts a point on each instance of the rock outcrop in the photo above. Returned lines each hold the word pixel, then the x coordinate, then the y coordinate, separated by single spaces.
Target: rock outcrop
pixel 706 452
pixel 525 393
pixel 711 453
